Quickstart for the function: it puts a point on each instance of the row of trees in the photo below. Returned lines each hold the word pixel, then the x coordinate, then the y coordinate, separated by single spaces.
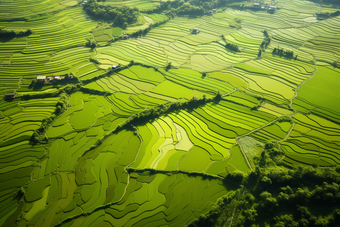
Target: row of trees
pixel 284 53
pixel 119 16
pixel 334 2
pixel 189 7
pixel 39 134
pixel 145 116
pixel 321 16
pixel 232 46
pixel 178 7
pixel 10 34
pixel 266 41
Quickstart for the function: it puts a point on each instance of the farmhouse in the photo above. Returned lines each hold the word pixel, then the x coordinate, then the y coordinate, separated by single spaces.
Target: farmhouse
pixel 272 9
pixel 10 95
pixel 256 5
pixel 41 79
pixel 70 77
pixel 195 31
pixel 115 66
pixel 57 78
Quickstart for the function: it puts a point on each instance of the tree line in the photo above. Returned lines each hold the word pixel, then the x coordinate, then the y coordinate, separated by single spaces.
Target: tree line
pixel 284 53
pixel 191 7
pixel 10 34
pixel 119 16
pixel 334 2
pixel 321 16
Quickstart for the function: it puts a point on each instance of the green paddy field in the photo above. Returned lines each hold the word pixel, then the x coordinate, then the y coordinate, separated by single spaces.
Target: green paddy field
pixel 94 150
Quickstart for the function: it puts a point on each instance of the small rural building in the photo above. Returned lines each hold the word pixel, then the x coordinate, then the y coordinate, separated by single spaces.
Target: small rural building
pixel 84 2
pixel 41 79
pixel 10 95
pixel 115 66
pixel 57 78
pixel 214 10
pixel 256 5
pixel 70 77
pixel 195 31
pixel 272 8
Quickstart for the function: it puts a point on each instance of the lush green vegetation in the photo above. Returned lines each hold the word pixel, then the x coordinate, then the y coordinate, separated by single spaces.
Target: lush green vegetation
pixel 283 53
pixel 120 16
pixel 169 113
pixel 304 196
pixel 6 35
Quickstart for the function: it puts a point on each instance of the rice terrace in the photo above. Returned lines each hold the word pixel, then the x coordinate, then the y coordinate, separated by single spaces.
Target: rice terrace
pixel 197 113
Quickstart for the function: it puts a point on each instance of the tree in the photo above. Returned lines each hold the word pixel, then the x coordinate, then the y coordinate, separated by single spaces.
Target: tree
pixel 169 66
pixel 218 97
pixel 91 43
pixel 125 24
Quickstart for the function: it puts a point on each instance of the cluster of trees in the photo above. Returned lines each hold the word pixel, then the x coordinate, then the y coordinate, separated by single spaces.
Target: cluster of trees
pixel 284 53
pixel 120 16
pixel 189 7
pixel 302 196
pixel 230 46
pixel 321 16
pixel 265 43
pixel 178 7
pixel 291 196
pixel 336 64
pixel 10 34
pixel 334 2
pixel 284 119
pixel 91 43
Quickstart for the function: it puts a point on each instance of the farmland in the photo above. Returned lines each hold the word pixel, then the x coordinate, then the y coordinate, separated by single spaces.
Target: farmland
pixel 159 123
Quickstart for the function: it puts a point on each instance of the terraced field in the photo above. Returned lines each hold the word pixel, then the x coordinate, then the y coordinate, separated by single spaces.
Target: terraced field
pixel 152 142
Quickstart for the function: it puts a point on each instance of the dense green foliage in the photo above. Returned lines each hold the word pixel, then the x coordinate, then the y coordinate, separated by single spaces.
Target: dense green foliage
pixel 303 196
pixel 322 16
pixel 232 46
pixel 6 35
pixel 334 2
pixel 91 43
pixel 266 41
pixel 283 53
pixel 145 116
pixel 120 16
pixel 192 7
